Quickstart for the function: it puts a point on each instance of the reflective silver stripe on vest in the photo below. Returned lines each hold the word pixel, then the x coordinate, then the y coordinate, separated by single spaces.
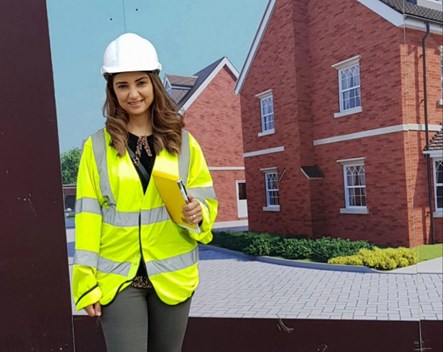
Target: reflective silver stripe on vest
pixel 202 192
pixel 86 258
pixel 120 218
pixel 154 215
pixel 130 219
pixel 92 259
pixel 171 264
pixel 111 267
pixel 99 147
pixel 87 205
pixel 184 158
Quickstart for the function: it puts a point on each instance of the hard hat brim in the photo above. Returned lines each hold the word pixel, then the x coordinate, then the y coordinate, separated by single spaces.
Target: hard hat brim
pixel 110 69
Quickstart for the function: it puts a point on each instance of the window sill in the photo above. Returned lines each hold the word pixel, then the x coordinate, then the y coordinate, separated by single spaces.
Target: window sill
pixel 440 102
pixel 348 112
pixel 362 210
pixel 265 133
pixel 438 214
pixel 272 208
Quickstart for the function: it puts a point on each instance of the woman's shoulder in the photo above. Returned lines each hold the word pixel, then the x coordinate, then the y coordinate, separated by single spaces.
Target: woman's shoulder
pixel 96 139
pixel 100 135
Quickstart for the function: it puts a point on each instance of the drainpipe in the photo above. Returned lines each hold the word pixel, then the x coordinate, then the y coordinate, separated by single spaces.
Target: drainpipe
pixel 428 157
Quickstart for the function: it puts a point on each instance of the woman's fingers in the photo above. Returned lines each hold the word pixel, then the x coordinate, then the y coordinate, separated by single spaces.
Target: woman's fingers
pixel 192 211
pixel 94 310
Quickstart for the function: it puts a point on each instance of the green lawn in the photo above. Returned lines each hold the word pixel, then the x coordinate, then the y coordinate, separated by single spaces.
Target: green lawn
pixel 429 251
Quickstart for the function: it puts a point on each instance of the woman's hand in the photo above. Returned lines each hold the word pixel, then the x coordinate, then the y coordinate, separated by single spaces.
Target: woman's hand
pixel 192 211
pixel 94 310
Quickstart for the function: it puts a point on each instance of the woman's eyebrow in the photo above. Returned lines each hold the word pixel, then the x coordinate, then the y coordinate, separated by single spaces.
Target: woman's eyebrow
pixel 137 80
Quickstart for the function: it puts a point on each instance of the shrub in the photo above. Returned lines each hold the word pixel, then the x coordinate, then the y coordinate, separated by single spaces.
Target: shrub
pixel 326 248
pixel 259 246
pixel 295 248
pixel 255 243
pixel 236 241
pixel 383 259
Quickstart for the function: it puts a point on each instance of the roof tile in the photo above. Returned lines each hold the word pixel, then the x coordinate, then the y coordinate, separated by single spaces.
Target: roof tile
pixel 412 9
pixel 436 143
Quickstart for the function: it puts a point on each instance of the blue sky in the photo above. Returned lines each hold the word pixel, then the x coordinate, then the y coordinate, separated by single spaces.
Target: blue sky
pixel 188 34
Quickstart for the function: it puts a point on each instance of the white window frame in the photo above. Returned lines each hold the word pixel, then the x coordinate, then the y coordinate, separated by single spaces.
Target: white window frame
pixel 271 172
pixel 438 210
pixel 340 67
pixel 265 129
pixel 352 209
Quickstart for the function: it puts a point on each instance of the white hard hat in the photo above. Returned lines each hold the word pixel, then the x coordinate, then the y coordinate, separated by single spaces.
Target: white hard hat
pixel 129 53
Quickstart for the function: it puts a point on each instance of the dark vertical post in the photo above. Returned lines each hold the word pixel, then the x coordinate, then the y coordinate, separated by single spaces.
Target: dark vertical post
pixel 35 313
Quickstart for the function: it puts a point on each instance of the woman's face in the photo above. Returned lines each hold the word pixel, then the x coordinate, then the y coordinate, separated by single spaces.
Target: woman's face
pixel 134 92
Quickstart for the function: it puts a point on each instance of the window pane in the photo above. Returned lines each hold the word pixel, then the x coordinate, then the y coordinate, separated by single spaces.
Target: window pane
pixel 440 197
pixel 355 187
pixel 439 172
pixel 361 197
pixel 271 182
pixel 350 87
pixel 241 190
pixel 267 113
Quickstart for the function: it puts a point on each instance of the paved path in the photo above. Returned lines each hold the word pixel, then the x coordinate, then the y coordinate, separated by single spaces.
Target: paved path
pixel 235 286
pixel 238 287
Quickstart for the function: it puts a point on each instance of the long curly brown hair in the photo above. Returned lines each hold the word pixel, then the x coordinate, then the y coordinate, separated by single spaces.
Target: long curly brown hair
pixel 166 122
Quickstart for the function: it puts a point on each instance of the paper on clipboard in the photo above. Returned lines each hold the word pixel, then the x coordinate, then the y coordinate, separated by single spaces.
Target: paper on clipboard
pixel 173 193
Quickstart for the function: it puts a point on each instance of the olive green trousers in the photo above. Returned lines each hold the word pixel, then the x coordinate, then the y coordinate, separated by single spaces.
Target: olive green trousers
pixel 138 321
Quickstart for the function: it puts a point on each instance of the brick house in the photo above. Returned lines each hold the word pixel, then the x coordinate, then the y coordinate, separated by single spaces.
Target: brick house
pixel 211 112
pixel 338 114
pixel 69 191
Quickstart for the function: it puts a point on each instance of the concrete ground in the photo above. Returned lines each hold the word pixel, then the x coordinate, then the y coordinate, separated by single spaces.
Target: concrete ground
pixel 233 285
pixel 236 286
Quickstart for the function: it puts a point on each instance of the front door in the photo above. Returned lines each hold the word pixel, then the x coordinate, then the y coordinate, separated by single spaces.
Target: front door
pixel 242 205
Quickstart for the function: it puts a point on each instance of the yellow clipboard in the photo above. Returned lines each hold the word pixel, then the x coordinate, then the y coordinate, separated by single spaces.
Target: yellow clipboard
pixel 173 193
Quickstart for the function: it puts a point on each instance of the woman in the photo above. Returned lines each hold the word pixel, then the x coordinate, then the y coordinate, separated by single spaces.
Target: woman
pixel 134 267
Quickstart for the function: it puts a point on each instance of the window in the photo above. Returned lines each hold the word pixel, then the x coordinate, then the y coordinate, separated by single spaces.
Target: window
pixel 438 185
pixel 267 112
pixel 354 186
pixel 349 86
pixel 271 187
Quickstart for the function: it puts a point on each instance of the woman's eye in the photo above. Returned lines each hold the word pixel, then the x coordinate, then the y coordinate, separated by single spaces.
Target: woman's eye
pixel 121 86
pixel 142 83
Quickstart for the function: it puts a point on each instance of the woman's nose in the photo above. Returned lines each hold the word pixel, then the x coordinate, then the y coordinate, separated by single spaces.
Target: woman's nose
pixel 133 92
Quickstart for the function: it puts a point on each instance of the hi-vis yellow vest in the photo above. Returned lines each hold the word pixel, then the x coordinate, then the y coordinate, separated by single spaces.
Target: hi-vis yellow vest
pixel 116 223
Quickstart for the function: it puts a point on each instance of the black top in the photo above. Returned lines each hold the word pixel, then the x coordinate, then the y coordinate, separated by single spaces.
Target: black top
pixel 146 160
pixel 148 163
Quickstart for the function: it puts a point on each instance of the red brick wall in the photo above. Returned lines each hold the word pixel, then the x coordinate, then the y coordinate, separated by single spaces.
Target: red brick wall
pixel 412 65
pixel 294 60
pixel 413 113
pixel 387 220
pixel 342 30
pixel 225 188
pixel 282 68
pixel 214 120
